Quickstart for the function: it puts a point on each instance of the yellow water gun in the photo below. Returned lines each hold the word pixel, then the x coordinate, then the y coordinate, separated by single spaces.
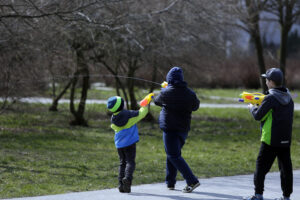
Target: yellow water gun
pixel 147 100
pixel 253 98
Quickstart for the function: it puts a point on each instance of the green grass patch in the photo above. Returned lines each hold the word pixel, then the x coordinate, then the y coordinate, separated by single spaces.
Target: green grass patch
pixel 40 154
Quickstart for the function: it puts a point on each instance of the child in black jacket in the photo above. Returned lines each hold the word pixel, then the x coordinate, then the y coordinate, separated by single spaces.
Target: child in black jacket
pixel 276 116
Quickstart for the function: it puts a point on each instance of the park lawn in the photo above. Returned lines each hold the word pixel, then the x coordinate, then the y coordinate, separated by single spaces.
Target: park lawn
pixel 40 154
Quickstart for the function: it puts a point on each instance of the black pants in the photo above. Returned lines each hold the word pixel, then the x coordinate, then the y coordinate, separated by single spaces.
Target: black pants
pixel 265 159
pixel 127 162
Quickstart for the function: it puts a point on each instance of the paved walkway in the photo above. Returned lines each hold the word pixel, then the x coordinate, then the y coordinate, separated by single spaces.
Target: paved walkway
pixel 219 188
pixel 43 100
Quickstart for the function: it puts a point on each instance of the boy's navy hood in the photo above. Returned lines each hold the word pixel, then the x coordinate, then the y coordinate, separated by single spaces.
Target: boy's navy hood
pixel 282 95
pixel 175 76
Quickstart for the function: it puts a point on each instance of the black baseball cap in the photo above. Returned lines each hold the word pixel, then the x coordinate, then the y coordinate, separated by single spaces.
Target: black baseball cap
pixel 274 74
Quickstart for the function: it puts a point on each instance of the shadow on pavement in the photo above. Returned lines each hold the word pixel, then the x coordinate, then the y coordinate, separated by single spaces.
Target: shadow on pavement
pixel 174 197
pixel 215 196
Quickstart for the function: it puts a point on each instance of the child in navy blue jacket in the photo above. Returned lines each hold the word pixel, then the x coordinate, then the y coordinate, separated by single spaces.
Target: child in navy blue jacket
pixel 177 102
pixel 126 136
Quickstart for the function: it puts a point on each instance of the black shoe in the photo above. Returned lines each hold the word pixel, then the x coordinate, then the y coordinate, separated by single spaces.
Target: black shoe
pixel 171 187
pixel 121 189
pixel 126 185
pixel 190 188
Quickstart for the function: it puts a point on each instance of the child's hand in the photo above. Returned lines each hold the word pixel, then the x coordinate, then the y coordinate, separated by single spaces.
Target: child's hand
pixel 250 106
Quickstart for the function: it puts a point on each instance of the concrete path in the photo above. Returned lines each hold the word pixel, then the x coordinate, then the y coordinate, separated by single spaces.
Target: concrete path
pixel 43 100
pixel 219 188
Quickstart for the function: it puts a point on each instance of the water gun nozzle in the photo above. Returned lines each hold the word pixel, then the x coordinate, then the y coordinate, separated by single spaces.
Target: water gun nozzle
pixel 147 100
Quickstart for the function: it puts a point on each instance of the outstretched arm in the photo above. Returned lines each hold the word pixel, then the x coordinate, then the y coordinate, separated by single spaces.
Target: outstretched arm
pixel 132 121
pixel 158 100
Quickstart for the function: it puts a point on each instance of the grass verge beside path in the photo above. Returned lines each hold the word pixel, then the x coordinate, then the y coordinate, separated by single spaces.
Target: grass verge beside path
pixel 204 94
pixel 40 154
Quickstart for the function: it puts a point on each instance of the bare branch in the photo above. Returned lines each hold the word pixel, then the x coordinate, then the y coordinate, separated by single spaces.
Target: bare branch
pixel 165 9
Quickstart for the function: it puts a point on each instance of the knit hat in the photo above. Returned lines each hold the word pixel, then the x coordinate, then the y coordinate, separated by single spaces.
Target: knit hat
pixel 115 104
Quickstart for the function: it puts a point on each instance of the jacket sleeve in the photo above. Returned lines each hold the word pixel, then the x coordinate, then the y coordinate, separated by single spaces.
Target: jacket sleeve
pixel 196 103
pixel 260 112
pixel 158 100
pixel 132 121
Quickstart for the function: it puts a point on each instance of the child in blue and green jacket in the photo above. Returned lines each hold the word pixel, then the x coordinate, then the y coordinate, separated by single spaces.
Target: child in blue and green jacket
pixel 276 116
pixel 123 122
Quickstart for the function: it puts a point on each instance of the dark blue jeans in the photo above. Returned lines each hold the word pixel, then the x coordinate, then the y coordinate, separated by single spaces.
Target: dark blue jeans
pixel 173 143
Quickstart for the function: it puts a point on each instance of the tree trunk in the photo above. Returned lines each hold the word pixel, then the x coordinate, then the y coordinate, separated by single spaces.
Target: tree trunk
pixel 119 83
pixel 72 93
pixel 286 20
pixel 117 89
pixel 261 62
pixel 283 49
pixel 149 116
pixel 253 12
pixel 130 86
pixel 84 92
pixel 53 89
pixel 54 105
pixel 79 114
pixel 154 75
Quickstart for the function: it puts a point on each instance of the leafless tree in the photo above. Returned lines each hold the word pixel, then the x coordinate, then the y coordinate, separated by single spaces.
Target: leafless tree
pixel 246 16
pixel 130 37
pixel 286 13
pixel 252 12
pixel 127 38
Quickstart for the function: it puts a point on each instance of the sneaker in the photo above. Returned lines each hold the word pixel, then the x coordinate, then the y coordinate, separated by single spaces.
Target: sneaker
pixel 255 197
pixel 171 187
pixel 283 198
pixel 190 188
pixel 126 185
pixel 121 189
